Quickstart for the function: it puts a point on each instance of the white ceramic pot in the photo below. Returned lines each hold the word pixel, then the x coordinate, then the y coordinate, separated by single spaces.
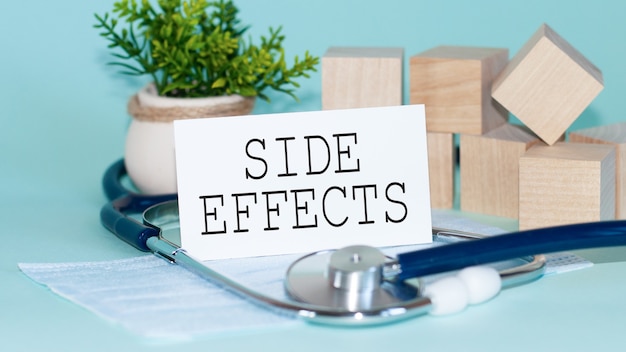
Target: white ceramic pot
pixel 149 154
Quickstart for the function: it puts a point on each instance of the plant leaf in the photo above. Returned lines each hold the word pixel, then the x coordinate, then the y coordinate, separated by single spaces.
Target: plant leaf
pixel 219 83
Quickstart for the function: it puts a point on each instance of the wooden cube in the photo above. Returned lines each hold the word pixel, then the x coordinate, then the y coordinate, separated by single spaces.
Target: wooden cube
pixel 490 170
pixel 455 85
pixel 361 77
pixel 566 183
pixel 614 135
pixel 548 84
pixel 441 163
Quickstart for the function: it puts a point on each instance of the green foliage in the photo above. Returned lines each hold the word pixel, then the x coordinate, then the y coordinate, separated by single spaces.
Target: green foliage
pixel 194 48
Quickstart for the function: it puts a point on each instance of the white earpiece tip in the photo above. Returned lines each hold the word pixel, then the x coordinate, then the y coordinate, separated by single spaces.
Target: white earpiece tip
pixel 448 295
pixel 483 283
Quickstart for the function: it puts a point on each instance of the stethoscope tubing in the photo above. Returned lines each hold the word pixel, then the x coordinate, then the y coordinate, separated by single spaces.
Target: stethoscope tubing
pixel 519 244
pixel 122 202
pixel 413 264
pixel 146 238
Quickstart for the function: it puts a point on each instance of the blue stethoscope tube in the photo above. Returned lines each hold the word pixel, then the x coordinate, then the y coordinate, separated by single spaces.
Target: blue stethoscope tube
pixel 519 244
pixel 122 202
pixel 414 264
pixel 410 303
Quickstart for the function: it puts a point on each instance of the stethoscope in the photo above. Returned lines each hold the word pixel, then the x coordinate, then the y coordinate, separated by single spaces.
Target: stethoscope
pixel 359 285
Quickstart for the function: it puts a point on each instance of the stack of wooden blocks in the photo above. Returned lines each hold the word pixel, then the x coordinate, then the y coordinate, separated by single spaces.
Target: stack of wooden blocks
pixel 524 171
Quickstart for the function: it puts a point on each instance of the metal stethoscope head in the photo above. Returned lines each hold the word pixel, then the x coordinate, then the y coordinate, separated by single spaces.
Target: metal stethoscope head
pixel 359 285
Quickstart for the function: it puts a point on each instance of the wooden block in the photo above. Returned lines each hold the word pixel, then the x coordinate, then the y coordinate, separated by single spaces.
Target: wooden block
pixel 566 183
pixel 490 169
pixel 361 77
pixel 441 161
pixel 614 135
pixel 455 85
pixel 548 84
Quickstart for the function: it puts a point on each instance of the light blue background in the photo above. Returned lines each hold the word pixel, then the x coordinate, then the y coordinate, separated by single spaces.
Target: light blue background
pixel 55 78
pixel 52 55
pixel 63 120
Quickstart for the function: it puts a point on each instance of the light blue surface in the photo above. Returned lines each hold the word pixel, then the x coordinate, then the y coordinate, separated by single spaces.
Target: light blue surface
pixel 63 120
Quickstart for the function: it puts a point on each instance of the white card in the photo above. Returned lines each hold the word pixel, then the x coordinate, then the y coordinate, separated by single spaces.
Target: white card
pixel 301 182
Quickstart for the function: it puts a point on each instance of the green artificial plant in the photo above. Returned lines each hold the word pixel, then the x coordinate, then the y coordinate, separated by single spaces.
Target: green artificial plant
pixel 195 48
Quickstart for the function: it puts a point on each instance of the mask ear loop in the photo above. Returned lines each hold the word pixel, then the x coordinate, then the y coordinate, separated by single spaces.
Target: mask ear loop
pixel 115 215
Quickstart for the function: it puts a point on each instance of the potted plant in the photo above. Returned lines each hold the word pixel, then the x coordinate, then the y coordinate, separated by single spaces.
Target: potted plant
pixel 199 65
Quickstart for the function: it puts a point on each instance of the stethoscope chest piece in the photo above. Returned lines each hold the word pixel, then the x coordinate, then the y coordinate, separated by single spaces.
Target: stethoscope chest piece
pixel 348 279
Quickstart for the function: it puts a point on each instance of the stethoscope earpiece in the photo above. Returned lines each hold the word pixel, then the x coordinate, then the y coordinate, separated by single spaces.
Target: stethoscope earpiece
pixel 472 285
